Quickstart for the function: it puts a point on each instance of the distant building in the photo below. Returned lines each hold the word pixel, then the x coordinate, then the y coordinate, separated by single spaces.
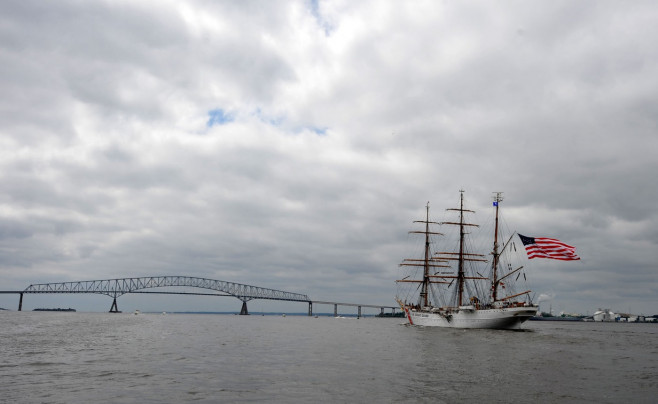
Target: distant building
pixel 604 315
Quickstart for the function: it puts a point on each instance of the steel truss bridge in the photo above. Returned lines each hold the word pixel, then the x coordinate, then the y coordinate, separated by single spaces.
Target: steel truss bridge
pixel 117 287
pixel 121 286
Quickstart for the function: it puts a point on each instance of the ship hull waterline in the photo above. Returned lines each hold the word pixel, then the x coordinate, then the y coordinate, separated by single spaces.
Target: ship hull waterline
pixel 509 318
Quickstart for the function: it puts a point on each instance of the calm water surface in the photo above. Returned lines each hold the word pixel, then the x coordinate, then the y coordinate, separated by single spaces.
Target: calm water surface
pixel 151 358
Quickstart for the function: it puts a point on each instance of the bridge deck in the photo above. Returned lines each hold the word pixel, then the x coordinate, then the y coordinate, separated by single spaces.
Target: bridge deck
pixel 120 286
pixel 376 306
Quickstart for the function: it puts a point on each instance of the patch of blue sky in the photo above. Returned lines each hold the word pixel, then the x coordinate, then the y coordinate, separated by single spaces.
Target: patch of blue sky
pixel 282 123
pixel 218 117
pixel 314 6
pixel 318 131
pixel 270 120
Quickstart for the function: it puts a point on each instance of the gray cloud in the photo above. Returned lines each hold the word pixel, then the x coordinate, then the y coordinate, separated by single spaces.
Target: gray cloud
pixel 345 119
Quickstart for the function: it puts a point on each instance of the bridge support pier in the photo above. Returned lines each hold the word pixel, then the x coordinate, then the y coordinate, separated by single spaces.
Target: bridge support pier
pixel 114 308
pixel 335 310
pixel 310 309
pixel 359 313
pixel 382 312
pixel 244 311
pixel 20 303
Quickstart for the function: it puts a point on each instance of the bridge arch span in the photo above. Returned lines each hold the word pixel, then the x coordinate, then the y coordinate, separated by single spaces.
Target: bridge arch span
pixel 120 286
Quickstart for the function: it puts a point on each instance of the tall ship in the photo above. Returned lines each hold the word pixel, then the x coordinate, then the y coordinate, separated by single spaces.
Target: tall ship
pixel 460 288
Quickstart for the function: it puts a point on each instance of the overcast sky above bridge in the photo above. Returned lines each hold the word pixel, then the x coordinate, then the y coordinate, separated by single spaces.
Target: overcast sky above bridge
pixel 290 144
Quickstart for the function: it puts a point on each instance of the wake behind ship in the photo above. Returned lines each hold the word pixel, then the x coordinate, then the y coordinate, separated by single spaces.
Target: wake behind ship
pixel 453 292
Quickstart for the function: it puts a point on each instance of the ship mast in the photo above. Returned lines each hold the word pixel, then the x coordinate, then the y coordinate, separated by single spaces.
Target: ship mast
pixel 462 256
pixel 497 199
pixel 428 263
pixel 460 273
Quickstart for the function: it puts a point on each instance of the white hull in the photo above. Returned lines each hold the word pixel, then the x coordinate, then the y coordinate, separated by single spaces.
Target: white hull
pixel 507 318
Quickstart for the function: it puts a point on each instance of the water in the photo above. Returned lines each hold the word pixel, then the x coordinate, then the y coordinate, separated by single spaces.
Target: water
pixel 177 358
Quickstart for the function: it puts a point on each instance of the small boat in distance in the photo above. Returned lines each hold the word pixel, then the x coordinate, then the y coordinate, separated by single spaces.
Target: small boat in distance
pixel 463 297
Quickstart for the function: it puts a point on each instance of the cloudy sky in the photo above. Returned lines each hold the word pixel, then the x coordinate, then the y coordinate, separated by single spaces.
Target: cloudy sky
pixel 290 144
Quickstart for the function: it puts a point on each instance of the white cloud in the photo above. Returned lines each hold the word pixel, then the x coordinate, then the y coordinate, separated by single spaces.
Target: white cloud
pixel 345 119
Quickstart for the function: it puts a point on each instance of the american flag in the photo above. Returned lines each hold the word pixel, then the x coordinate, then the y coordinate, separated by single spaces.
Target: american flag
pixel 541 247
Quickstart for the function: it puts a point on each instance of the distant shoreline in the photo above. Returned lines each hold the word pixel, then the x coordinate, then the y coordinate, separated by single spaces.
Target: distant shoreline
pixel 556 319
